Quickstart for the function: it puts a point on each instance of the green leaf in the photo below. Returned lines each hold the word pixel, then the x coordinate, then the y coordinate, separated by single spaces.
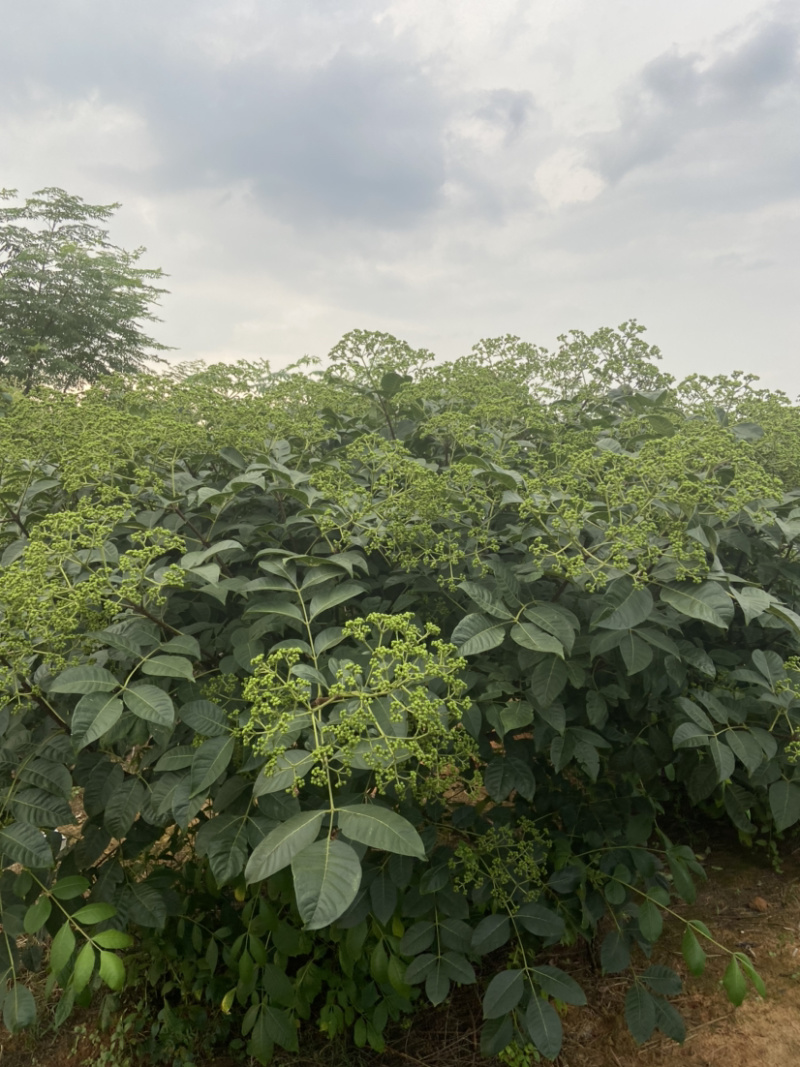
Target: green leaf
pixel 544 1027
pixel 146 904
pixel 476 634
pixel 752 601
pixel 547 679
pixel 84 967
pixel 168 667
pixel 327 875
pixel 183 644
pixel 734 983
pixel 636 653
pixel 486 599
pixel 194 559
pixel 496 1035
pixel 61 948
pixel 503 994
pixel 290 766
pixel 693 954
pixel 19 1008
pixel 418 970
pixel 690 735
pixel 112 939
pixel 48 775
pixel 625 607
pixel 784 803
pixel 437 984
pixel 529 636
pixel 615 955
pixel 94 913
pixel 723 758
pixel 707 602
pixel 150 703
pixel 281 1027
pixel 681 878
pixel 491 933
pixel 282 844
pixel 555 620
pixel 418 938
pixel 123 806
pixel 770 665
pixel 94 715
pixel 541 921
pixel 558 984
pixel 112 971
pixel 210 760
pixel 669 1021
pixel 275 605
pixel 746 748
pixel 662 980
pixel 39 808
pixel 177 759
pixel 20 842
pixel 751 972
pixel 458 968
pixel 74 885
pixel 640 1013
pixel 84 680
pixel 205 718
pixel 37 914
pixel 381 828
pixel 329 598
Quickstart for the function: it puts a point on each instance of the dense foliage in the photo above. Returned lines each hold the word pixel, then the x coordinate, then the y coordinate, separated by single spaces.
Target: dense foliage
pixel 71 303
pixel 340 681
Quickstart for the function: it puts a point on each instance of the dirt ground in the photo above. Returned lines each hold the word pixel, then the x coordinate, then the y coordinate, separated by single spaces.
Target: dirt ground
pixel 747 905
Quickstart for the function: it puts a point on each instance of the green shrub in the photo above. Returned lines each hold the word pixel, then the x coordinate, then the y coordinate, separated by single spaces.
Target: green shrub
pixel 345 680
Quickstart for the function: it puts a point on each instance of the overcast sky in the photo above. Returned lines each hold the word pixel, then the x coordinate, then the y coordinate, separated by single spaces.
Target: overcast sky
pixel 444 170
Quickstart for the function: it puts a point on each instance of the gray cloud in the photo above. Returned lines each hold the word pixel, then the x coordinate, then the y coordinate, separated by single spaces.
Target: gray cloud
pixel 356 134
pixel 710 128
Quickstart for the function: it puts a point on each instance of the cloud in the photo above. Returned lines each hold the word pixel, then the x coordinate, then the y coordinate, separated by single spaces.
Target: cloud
pixel 699 131
pixel 354 131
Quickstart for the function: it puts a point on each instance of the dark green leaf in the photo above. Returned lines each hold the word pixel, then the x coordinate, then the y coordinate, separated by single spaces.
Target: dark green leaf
pixel 784 802
pixel 640 1013
pixel 503 994
pixel 693 954
pixel 94 715
pixel 734 983
pixel 327 874
pixel 205 718
pixel 491 933
pixel 84 679
pixel 168 667
pixel 476 633
pixel 280 846
pixel 544 1027
pixel 708 602
pixel 662 980
pixel 20 842
pixel 19 1008
pixel 150 703
pixel 615 955
pixel 381 828
pixel 210 760
pixel 558 984
pixel 547 679
pixel 541 921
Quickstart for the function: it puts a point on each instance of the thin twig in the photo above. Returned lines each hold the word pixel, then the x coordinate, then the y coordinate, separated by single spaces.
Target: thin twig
pixel 406 1056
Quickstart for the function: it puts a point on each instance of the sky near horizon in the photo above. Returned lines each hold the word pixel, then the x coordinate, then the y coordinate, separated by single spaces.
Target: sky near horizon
pixel 442 170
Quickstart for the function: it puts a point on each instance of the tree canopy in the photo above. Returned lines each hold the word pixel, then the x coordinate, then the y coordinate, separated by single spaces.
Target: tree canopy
pixel 71 303
pixel 365 673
